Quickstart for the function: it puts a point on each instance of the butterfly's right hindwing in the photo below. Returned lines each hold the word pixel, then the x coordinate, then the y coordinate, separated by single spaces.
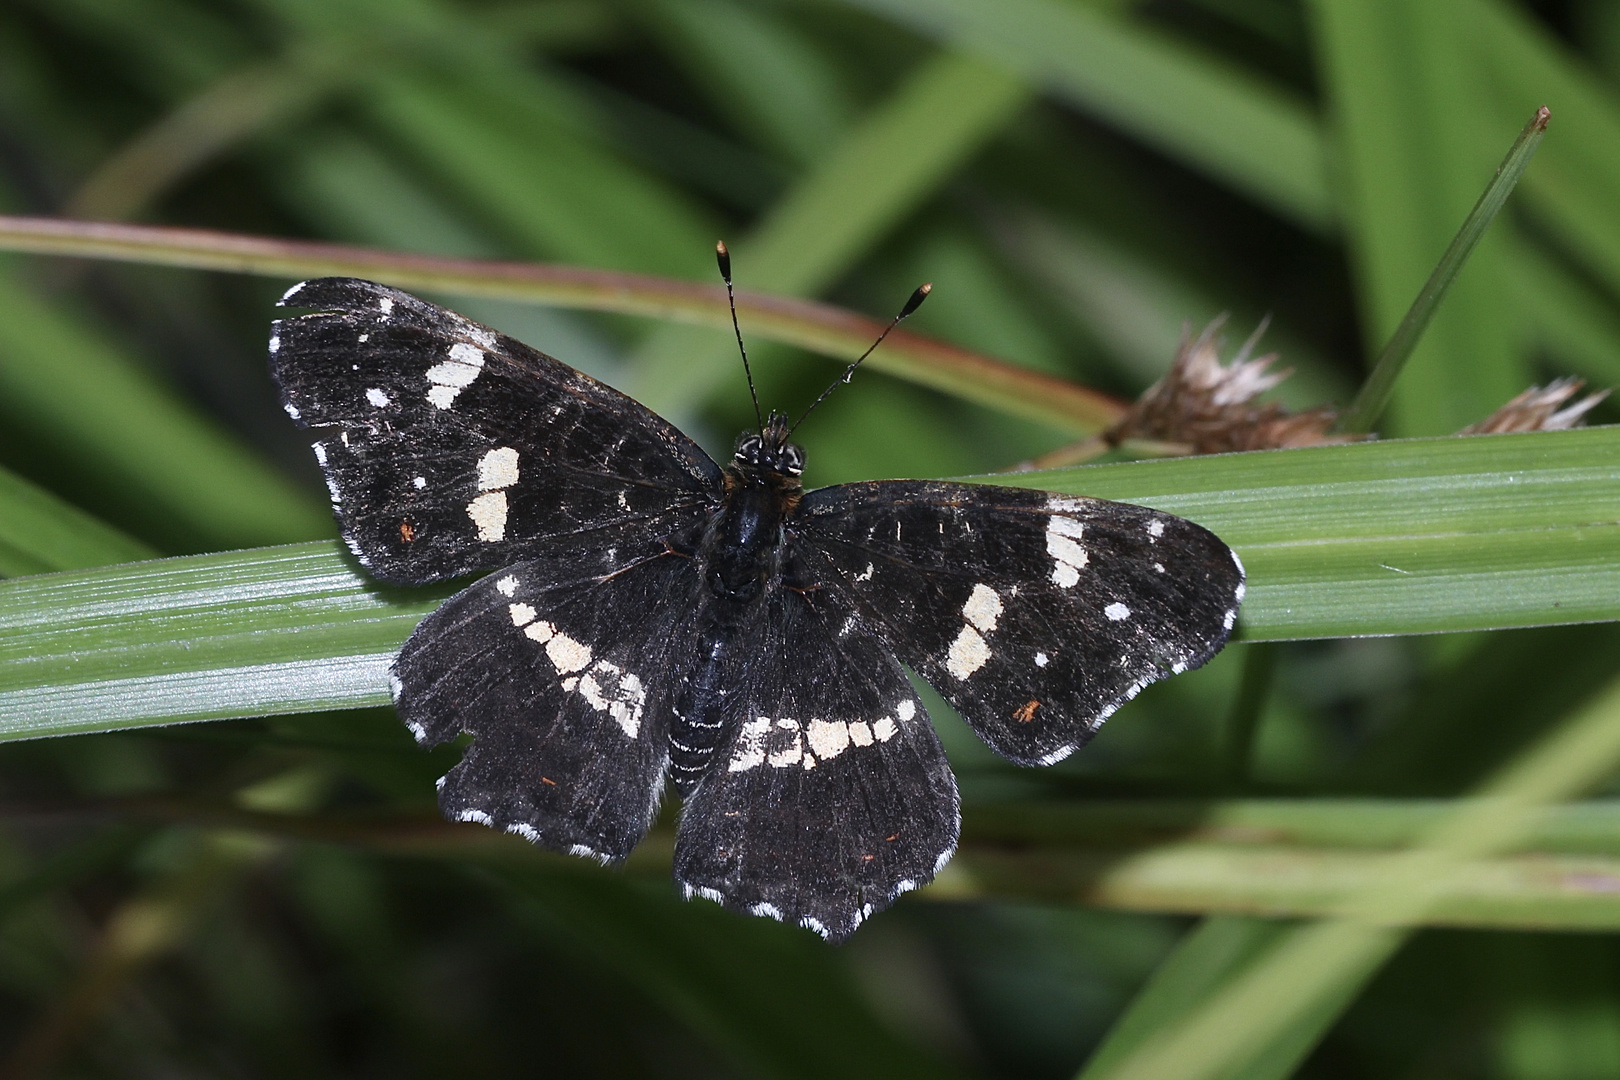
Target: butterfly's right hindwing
pixel 449 447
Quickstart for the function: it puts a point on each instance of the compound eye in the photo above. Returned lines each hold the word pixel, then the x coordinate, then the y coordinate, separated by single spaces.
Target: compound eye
pixel 793 459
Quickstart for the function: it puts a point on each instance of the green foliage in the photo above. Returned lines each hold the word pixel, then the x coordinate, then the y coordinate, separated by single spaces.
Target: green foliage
pixel 1372 813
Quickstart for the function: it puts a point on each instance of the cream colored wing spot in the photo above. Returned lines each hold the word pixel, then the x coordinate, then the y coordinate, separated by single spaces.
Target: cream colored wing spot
pixel 968 653
pixel 497 470
pixel 1069 556
pixel 450 377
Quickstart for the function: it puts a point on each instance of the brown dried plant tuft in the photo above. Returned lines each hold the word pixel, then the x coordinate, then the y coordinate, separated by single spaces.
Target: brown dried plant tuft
pixel 1537 409
pixel 1210 407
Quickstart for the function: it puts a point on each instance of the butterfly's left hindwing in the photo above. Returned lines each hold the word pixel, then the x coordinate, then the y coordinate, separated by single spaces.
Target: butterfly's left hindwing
pixel 1036 615
pixel 449 447
pixel 832 794
pixel 561 677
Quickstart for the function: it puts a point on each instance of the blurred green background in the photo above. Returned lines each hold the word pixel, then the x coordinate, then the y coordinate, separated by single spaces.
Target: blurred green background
pixel 1080 179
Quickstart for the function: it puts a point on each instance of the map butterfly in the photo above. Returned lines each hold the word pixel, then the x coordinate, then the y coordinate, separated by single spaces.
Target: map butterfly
pixel 657 618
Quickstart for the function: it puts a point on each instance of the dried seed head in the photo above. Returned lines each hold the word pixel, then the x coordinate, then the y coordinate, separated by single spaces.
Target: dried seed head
pixel 1537 409
pixel 1210 408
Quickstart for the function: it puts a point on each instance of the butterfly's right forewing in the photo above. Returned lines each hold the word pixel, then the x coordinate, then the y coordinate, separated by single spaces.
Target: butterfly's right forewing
pixel 449 447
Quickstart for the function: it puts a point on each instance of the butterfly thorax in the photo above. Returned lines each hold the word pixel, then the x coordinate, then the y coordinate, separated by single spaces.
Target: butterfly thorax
pixel 742 547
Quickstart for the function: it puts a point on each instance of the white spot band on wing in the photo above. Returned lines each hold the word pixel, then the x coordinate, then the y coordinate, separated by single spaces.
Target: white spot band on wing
pixel 750 745
pixel 968 653
pixel 1068 556
pixel 983 608
pixel 488 513
pixel 455 375
pixel 566 654
pixel 498 469
pixel 828 738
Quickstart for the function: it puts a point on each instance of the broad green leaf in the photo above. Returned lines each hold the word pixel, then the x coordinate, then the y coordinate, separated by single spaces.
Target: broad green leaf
pixel 1376 538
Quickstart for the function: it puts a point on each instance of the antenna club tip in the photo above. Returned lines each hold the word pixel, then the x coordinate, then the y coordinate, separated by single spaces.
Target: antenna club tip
pixel 722 255
pixel 720 248
pixel 917 298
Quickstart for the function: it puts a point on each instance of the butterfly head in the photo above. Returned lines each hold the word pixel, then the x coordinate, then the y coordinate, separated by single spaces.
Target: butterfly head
pixel 768 450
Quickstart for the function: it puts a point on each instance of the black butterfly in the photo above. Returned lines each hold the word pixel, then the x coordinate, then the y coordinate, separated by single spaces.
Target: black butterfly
pixel 656 616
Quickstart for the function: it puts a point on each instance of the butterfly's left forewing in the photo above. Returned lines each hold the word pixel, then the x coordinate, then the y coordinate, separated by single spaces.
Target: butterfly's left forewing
pixel 1035 614
pixel 832 794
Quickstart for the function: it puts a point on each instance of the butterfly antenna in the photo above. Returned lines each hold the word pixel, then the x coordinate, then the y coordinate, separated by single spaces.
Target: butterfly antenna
pixel 723 257
pixel 911 305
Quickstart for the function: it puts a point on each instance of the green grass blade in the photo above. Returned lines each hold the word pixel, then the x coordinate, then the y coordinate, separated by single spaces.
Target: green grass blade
pixel 1415 146
pixel 1320 963
pixel 1536 891
pixel 142 449
pixel 1370 401
pixel 1215 117
pixel 280 630
pixel 1425 535
pixel 1574 322
pixel 759 71
pixel 40 533
pixel 1337 824
pixel 1571 190
pixel 790 1012
pixel 1205 959
pixel 1509 522
pixel 555 193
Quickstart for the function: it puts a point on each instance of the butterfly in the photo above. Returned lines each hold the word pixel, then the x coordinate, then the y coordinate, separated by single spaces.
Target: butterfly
pixel 656 618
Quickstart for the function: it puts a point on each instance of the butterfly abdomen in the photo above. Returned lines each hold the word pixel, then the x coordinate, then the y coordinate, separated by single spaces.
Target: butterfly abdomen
pixel 740 556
